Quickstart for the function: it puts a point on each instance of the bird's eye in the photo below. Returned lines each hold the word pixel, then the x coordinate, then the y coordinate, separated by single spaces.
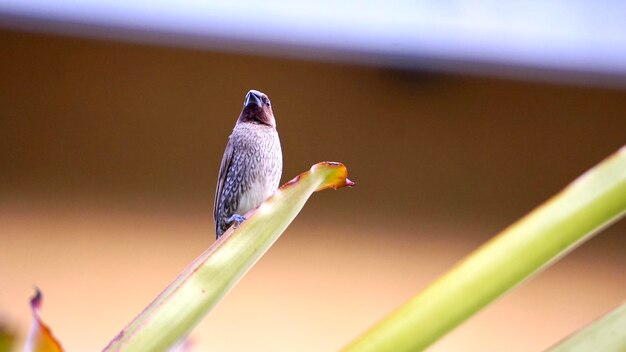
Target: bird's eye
pixel 267 102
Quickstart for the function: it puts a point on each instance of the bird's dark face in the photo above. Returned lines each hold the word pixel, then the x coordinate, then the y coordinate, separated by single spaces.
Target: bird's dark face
pixel 257 109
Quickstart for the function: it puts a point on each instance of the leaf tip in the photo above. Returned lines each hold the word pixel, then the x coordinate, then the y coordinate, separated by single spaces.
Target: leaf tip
pixel 40 337
pixel 35 301
pixel 337 178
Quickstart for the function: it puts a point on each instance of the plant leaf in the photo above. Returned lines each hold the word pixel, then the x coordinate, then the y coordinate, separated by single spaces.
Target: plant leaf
pixel 607 334
pixel 7 338
pixel 207 279
pixel 40 338
pixel 593 201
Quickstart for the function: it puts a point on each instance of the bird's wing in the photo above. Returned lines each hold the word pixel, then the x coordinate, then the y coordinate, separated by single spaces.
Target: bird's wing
pixel 226 161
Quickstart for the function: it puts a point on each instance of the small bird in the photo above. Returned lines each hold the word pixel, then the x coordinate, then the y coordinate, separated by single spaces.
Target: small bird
pixel 252 163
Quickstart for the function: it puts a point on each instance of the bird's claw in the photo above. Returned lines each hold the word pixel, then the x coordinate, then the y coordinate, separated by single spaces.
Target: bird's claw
pixel 237 219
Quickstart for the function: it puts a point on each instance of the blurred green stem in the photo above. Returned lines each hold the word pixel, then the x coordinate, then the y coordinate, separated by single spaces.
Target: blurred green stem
pixel 593 201
pixel 607 334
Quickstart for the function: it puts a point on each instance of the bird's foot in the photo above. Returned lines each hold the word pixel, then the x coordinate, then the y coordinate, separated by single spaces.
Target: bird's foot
pixel 236 219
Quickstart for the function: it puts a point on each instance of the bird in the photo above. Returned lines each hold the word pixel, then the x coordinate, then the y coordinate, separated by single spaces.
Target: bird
pixel 252 164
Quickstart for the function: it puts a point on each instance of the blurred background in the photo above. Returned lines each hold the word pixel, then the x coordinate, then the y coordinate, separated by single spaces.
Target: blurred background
pixel 454 120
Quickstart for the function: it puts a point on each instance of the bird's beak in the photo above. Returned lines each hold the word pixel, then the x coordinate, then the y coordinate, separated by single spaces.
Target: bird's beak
pixel 253 97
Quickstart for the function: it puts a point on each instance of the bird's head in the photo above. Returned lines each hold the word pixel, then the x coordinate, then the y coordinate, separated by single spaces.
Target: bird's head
pixel 257 108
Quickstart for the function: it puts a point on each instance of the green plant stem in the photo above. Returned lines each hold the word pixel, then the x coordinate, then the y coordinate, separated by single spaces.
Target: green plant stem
pixel 593 201
pixel 171 316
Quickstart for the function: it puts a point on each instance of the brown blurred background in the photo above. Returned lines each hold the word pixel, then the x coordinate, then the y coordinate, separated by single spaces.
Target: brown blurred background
pixel 109 155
